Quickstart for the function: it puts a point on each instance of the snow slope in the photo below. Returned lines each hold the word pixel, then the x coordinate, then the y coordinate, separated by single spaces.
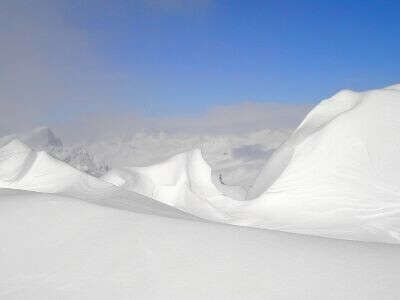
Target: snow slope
pixel 56 247
pixel 336 176
pixel 24 169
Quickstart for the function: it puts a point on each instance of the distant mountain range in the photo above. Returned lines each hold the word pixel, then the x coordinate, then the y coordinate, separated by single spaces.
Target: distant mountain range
pixel 234 158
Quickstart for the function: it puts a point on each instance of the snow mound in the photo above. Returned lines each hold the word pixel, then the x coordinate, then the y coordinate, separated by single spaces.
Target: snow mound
pixel 337 175
pixel 24 169
pixel 320 116
pixel 15 159
pixel 183 181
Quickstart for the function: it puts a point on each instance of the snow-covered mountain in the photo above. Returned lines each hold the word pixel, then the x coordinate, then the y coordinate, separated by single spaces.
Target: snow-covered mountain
pixel 39 139
pixel 43 139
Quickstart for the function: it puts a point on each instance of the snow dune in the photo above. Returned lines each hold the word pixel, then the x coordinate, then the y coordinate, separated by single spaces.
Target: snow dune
pixel 22 168
pixel 183 181
pixel 336 176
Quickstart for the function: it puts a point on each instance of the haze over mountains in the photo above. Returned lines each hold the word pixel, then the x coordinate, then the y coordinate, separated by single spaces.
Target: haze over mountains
pixel 237 157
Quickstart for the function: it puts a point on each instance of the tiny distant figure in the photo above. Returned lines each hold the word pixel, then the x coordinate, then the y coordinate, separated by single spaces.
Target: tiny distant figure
pixel 220 179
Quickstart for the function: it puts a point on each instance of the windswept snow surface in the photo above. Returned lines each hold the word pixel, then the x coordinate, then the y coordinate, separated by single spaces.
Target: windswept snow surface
pixel 56 247
pixel 336 176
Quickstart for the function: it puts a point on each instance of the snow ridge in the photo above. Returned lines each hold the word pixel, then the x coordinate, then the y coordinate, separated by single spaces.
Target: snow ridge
pixel 336 176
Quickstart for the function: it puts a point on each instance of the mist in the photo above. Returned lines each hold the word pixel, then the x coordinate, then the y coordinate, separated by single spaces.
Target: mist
pixel 52 75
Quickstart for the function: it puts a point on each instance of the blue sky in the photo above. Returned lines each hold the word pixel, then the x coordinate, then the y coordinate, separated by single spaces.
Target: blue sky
pixel 218 52
pixel 168 57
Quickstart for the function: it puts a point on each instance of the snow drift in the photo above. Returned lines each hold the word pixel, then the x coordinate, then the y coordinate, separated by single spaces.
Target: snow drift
pixel 24 169
pixel 183 181
pixel 336 175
